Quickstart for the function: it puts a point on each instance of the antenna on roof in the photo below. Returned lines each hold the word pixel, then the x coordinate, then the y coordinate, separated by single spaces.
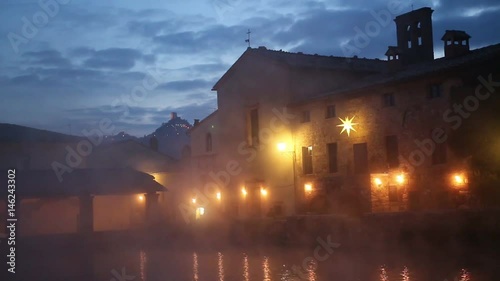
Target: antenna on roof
pixel 248 40
pixel 412 7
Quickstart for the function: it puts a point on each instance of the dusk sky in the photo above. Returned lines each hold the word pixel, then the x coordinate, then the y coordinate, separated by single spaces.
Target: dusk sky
pixel 85 58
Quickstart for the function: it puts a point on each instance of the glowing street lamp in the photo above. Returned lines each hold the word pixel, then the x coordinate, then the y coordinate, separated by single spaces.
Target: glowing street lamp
pixel 219 196
pixel 193 200
pixel 308 187
pixel 459 180
pixel 281 146
pixel 263 191
pixel 244 192
pixel 140 197
pixel 378 182
pixel 400 179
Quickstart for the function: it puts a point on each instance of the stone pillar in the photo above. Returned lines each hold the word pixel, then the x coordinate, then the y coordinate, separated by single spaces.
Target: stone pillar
pixel 86 219
pixel 152 210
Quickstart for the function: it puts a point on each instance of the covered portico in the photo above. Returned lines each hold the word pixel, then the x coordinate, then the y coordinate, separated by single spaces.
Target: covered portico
pixel 85 201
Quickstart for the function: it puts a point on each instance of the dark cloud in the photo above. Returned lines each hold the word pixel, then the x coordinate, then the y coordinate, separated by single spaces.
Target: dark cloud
pixel 135 120
pixel 95 54
pixel 116 58
pixel 218 37
pixel 50 58
pixel 185 85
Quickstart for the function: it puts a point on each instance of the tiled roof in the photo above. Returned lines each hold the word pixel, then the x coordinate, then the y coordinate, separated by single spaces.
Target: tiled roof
pixel 318 61
pixel 416 70
pixel 455 35
pixel 301 60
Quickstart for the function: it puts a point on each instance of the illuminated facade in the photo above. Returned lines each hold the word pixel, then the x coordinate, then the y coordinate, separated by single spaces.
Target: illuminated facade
pixel 298 133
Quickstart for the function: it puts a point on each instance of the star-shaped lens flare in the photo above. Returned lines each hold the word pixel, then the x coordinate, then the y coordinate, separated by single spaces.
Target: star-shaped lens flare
pixel 347 125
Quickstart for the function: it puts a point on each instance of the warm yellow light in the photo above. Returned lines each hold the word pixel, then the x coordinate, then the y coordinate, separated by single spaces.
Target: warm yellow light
pixel 193 200
pixel 459 179
pixel 308 187
pixel 140 197
pixel 347 125
pixel 244 191
pixel 281 146
pixel 400 179
pixel 263 191
pixel 219 196
pixel 377 181
pixel 200 212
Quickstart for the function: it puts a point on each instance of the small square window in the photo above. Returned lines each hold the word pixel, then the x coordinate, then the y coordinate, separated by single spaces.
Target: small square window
pixel 388 99
pixel 330 111
pixel 435 91
pixel 306 116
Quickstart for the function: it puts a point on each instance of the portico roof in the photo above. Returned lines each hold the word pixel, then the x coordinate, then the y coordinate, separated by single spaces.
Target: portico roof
pixel 46 184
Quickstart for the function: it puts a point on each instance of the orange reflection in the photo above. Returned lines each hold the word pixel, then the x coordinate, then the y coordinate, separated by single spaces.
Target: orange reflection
pixel 405 274
pixel 465 275
pixel 195 267
pixel 311 270
pixel 246 275
pixel 383 274
pixel 221 266
pixel 267 270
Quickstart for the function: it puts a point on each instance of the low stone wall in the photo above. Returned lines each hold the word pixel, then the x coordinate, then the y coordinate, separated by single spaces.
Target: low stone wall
pixel 374 231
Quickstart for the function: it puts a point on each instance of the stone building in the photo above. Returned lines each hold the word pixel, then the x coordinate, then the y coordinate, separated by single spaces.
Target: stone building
pixel 297 133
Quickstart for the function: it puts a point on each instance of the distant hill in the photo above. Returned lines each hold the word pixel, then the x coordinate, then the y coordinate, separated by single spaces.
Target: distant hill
pixel 171 136
pixel 17 133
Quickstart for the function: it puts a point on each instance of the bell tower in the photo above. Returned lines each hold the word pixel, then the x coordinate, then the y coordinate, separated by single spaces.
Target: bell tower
pixel 414 32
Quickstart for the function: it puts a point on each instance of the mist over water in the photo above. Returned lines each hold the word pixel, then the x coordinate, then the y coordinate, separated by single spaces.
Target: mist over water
pixel 267 264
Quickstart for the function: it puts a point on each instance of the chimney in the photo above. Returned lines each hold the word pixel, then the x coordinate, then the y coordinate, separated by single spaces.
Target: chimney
pixel 456 43
pixel 414 34
pixel 196 122
pixel 393 58
pixel 173 115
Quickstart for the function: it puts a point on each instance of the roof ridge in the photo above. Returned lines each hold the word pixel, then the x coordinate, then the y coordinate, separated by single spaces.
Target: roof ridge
pixel 263 49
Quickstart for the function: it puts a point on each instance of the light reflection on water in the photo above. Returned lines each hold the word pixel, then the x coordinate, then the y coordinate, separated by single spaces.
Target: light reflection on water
pixel 254 265
pixel 267 270
pixel 142 266
pixel 383 274
pixel 220 262
pixel 405 274
pixel 465 275
pixel 246 273
pixel 195 266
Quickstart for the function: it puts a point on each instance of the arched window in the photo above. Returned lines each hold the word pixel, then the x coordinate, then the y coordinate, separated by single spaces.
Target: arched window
pixel 208 143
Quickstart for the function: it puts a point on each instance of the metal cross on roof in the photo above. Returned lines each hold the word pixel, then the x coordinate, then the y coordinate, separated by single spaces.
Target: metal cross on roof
pixel 248 40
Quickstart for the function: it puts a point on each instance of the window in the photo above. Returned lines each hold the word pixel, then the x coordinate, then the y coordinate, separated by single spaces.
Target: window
pixel 307 164
pixel 254 127
pixel 306 116
pixel 435 91
pixel 439 154
pixel 388 99
pixel 360 158
pixel 332 157
pixel 208 143
pixel 392 151
pixel 330 111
